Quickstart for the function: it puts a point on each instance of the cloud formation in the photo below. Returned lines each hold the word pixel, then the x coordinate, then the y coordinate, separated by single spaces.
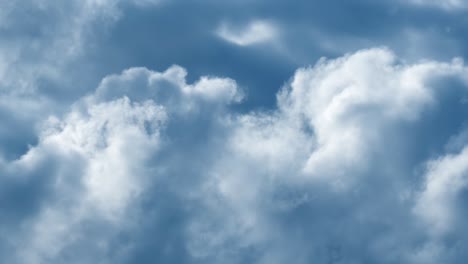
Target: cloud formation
pixel 97 161
pixel 359 158
pixel 328 176
pixel 331 172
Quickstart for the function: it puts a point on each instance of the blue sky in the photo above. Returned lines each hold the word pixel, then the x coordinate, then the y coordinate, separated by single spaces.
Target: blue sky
pixel 249 131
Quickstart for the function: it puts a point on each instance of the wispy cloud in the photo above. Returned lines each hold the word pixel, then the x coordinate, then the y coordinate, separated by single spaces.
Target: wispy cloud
pixel 446 4
pixel 255 32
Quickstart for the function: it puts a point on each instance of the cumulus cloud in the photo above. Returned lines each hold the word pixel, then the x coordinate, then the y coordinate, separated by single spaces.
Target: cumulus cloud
pixel 152 167
pixel 445 180
pixel 347 111
pixel 95 180
pixel 100 155
pixel 255 32
pixel 362 159
pixel 337 148
pixel 168 88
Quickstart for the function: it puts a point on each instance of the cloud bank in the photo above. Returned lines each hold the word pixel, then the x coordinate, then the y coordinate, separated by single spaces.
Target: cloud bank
pixel 151 167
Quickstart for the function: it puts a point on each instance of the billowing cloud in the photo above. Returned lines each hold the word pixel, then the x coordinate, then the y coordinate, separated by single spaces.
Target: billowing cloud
pixel 332 173
pixel 151 166
pixel 97 162
pixel 439 202
pixel 95 181
pixel 360 158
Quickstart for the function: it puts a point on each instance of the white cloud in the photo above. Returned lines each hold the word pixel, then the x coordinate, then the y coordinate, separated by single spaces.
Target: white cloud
pixel 439 206
pixel 255 32
pixel 102 151
pixel 148 159
pixel 445 179
pixel 169 88
pixel 321 177
pixel 102 148
pixel 349 102
pixel 336 135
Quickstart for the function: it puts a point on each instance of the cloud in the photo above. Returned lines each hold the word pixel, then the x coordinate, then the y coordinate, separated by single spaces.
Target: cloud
pixel 445 180
pixel 43 53
pixel 151 166
pixel 42 40
pixel 36 53
pixel 255 32
pixel 97 161
pixel 446 4
pixel 346 111
pixel 361 159
pixel 440 206
pixel 168 88
pixel 319 175
pixel 93 179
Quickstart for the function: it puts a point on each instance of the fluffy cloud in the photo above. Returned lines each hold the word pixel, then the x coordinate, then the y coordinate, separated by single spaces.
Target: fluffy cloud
pixel 92 178
pixel 333 163
pixel 361 160
pixel 350 112
pixel 168 88
pixel 96 162
pixel 151 167
pixel 439 202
